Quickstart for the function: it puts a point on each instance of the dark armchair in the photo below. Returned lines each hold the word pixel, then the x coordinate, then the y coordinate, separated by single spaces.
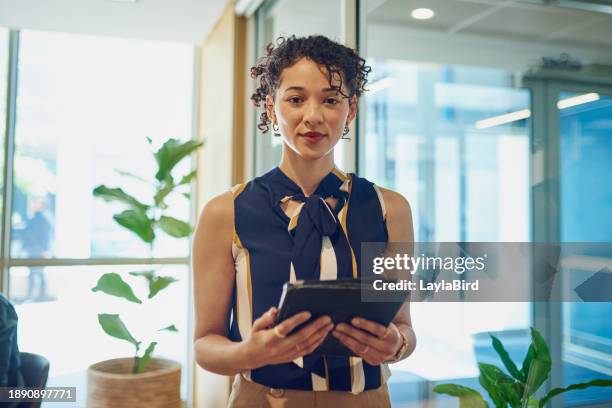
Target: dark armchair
pixel 35 371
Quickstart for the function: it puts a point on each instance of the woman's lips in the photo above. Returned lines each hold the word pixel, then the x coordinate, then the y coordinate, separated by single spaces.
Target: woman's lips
pixel 313 137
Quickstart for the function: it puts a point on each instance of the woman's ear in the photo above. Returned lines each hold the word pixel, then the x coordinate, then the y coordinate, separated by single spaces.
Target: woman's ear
pixel 352 109
pixel 270 108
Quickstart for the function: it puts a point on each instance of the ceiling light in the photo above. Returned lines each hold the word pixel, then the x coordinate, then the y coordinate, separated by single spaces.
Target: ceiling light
pixel 123 1
pixel 422 13
pixel 577 100
pixel 501 119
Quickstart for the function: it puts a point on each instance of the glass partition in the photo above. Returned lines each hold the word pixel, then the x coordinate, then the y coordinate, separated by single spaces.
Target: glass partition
pixel 586 216
pixel 288 17
pixel 452 134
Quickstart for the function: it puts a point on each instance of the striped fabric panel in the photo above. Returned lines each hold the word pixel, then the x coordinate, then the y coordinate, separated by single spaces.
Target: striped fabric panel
pixel 329 266
pixel 319 383
pixel 342 217
pixel 357 375
pixel 244 296
pixel 298 361
pixel 382 202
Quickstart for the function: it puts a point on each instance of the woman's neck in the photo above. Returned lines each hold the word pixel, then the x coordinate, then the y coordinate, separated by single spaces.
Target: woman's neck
pixel 306 173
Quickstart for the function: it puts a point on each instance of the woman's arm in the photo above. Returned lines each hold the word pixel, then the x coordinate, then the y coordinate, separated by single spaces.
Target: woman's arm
pixel 213 278
pixel 373 342
pixel 400 229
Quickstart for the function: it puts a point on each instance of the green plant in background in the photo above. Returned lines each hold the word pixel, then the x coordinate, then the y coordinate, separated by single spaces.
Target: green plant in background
pixel 518 389
pixel 145 220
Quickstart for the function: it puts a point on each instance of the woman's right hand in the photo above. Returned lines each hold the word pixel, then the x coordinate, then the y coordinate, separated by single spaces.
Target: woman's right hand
pixel 269 345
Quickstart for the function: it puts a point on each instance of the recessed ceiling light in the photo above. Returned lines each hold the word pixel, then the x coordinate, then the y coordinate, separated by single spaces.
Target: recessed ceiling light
pixel 422 13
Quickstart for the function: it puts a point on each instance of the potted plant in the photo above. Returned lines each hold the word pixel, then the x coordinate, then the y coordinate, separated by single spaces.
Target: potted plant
pixel 516 389
pixel 141 380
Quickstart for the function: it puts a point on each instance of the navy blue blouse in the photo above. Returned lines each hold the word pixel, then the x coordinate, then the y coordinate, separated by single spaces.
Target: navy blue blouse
pixel 318 242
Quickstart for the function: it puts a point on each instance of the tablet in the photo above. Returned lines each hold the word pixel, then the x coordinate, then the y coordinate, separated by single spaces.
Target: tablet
pixel 341 300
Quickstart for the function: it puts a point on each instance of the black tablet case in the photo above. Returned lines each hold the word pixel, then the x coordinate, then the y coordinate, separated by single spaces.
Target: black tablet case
pixel 339 299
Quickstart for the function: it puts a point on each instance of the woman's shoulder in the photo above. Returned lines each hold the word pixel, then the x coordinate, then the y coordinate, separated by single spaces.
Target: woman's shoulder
pixel 391 201
pixel 222 205
pixel 393 198
pixel 219 210
pixel 398 216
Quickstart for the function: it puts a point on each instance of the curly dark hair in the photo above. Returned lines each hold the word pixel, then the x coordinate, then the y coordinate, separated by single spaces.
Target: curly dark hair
pixel 335 57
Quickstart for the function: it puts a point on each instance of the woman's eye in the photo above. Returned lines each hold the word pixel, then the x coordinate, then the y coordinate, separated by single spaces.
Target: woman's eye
pixel 331 101
pixel 295 99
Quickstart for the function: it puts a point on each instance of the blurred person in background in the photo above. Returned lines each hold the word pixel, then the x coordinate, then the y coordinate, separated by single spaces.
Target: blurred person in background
pixel 36 243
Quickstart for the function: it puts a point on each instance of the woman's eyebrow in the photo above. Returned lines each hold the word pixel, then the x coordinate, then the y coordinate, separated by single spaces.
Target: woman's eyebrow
pixel 301 88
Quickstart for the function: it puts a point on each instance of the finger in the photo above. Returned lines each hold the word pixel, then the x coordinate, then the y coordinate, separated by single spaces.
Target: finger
pixel 287 325
pixel 305 333
pixel 318 337
pixel 314 346
pixel 361 336
pixel 310 345
pixel 370 355
pixel 354 345
pixel 265 320
pixel 310 329
pixel 375 328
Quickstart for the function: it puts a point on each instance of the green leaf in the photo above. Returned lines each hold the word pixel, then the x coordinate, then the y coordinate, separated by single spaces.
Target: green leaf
pixel 532 402
pixel 187 195
pixel 510 393
pixel 468 398
pixel 171 328
pixel 113 326
pixel 137 222
pixel 505 358
pixel 540 365
pixel 146 357
pixel 166 188
pixel 117 194
pixel 113 284
pixel 148 275
pixel 171 153
pixel 489 378
pixel 527 362
pixel 187 178
pixel 580 386
pixel 159 283
pixel 174 227
pixel 149 140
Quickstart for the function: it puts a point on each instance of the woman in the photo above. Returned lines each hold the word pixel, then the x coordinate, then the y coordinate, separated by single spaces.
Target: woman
pixel 304 219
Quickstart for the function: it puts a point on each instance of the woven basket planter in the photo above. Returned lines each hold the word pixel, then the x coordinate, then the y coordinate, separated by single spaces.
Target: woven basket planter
pixel 110 384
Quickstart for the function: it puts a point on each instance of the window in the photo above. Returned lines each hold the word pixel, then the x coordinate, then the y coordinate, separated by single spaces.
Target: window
pixel 85 108
pixel 65 328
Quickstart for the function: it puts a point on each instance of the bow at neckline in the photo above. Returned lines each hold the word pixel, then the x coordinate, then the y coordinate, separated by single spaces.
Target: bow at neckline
pixel 316 218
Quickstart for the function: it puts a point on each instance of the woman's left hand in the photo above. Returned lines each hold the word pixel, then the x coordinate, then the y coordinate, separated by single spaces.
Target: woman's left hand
pixel 371 341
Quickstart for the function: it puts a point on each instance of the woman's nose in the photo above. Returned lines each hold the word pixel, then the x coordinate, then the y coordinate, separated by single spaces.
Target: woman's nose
pixel 313 114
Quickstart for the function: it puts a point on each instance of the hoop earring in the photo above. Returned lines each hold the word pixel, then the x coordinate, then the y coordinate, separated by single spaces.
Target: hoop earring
pixel 276 129
pixel 345 132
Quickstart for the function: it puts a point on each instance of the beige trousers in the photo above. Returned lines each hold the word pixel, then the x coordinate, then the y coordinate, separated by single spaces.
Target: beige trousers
pixel 248 394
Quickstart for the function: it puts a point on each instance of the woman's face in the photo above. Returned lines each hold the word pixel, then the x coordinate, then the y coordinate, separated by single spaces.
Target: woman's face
pixel 309 113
